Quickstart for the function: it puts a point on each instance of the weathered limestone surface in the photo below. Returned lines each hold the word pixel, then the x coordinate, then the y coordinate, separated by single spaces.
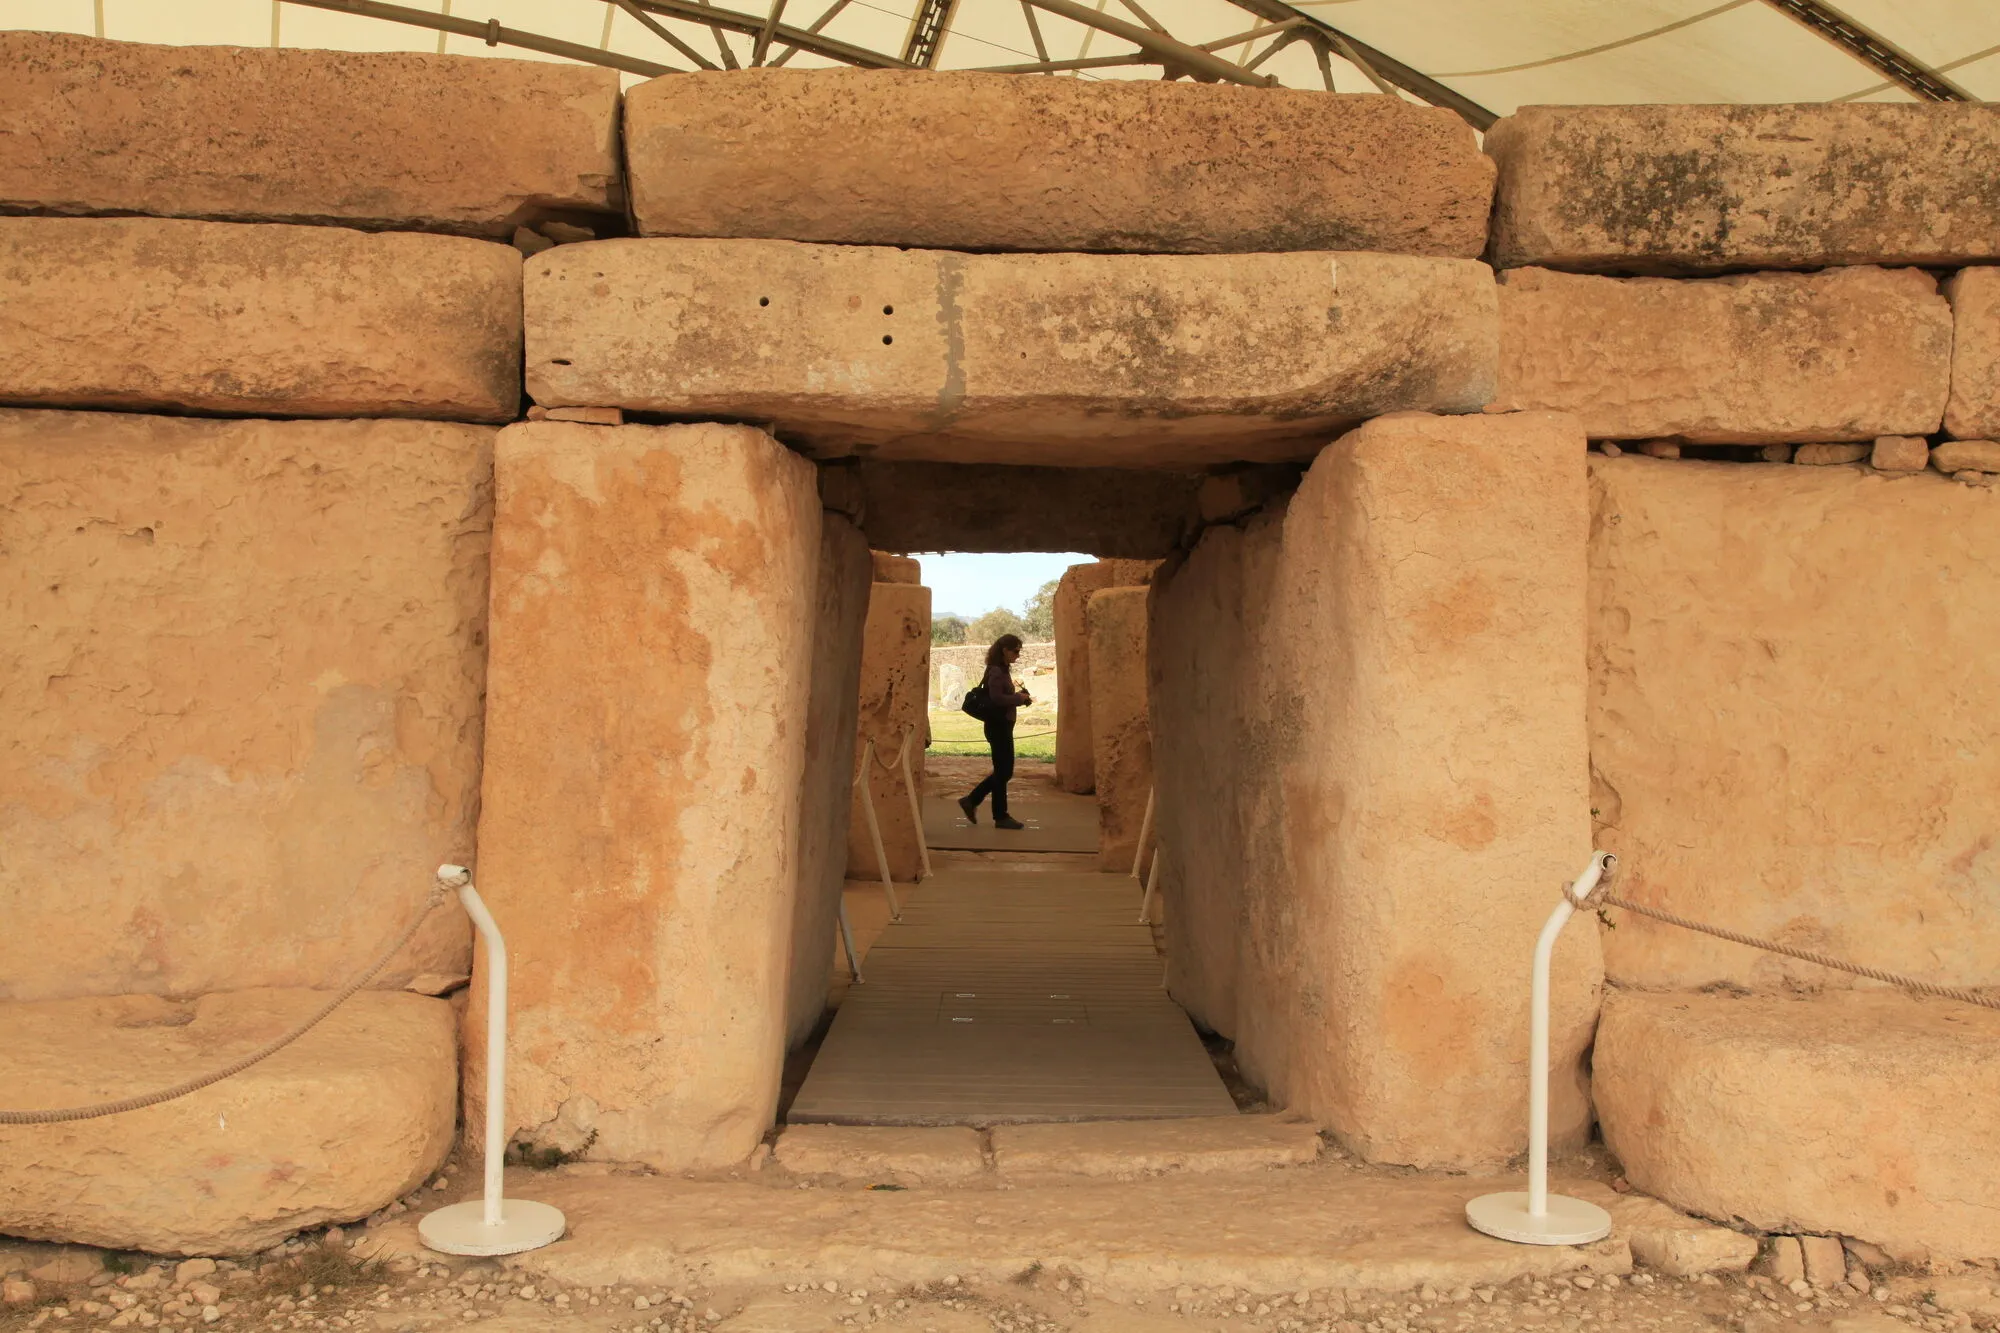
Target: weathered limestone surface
pixel 1120 729
pixel 832 710
pixel 258 320
pixel 654 595
pixel 1135 1148
pixel 966 161
pixel 1974 410
pixel 1122 512
pixel 1373 767
pixel 354 1114
pixel 1871 1115
pixel 880 1153
pixel 895 696
pixel 241 667
pixel 891 568
pixel 1076 767
pixel 1955 456
pixel 1694 188
pixel 1755 358
pixel 1067 360
pixel 373 139
pixel 1671 1242
pixel 1813 643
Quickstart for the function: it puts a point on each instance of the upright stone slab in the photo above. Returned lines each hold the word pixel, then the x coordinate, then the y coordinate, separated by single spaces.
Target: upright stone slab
pixel 369 139
pixel 891 568
pixel 1757 358
pixel 895 695
pixel 241 672
pixel 1813 643
pixel 1076 769
pixel 258 320
pixel 1701 188
pixel 1065 360
pixel 968 161
pixel 1974 410
pixel 343 1122
pixel 1871 1114
pixel 840 610
pixel 1386 775
pixel 1120 728
pixel 652 644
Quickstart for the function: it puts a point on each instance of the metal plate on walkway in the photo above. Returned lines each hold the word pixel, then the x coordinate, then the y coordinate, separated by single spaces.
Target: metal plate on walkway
pixel 1012 996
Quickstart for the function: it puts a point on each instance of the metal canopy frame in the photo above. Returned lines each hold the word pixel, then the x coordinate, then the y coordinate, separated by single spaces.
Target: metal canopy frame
pixel 772 42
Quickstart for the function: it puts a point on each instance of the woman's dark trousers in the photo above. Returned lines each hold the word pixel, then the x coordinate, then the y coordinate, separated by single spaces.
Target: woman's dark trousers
pixel 999 736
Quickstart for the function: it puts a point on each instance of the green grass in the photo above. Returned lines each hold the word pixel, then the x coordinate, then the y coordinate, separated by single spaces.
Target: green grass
pixel 955 732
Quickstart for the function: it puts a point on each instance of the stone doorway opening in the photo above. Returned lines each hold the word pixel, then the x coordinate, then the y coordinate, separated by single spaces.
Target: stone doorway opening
pixel 678 614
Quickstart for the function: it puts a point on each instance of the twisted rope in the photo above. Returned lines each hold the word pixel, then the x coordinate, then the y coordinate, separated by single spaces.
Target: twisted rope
pixel 437 895
pixel 1602 896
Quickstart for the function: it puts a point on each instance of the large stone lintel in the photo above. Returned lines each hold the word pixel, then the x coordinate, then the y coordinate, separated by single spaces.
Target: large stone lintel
pixel 368 138
pixel 258 320
pixel 967 161
pixel 1677 189
pixel 1071 360
pixel 1752 358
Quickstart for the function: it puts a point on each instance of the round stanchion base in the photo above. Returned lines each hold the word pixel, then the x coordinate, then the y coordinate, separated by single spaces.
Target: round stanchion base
pixel 461 1228
pixel 1567 1222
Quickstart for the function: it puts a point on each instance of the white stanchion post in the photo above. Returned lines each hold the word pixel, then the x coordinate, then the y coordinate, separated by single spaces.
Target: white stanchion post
pixel 1145 832
pixel 863 779
pixel 1152 883
pixel 847 939
pixel 1534 1216
pixel 491 1224
pixel 916 806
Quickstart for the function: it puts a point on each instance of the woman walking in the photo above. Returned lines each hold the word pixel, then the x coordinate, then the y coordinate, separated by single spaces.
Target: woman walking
pixel 1002 698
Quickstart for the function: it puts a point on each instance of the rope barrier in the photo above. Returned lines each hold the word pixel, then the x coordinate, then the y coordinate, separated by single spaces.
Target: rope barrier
pixel 1602 896
pixel 437 896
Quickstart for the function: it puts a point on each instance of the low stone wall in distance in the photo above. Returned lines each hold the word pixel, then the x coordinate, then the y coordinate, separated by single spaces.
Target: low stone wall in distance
pixel 958 667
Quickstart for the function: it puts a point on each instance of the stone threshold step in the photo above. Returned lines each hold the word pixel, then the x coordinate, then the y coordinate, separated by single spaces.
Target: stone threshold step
pixel 1277 1231
pixel 1118 1149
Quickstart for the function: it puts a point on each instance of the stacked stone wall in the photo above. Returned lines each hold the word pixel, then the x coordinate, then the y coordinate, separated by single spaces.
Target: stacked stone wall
pixel 1790 734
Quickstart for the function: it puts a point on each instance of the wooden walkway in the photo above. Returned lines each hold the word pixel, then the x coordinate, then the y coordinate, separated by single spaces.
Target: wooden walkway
pixel 1011 995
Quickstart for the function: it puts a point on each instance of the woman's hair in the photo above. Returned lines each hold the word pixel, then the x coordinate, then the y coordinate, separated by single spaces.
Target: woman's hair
pixel 995 656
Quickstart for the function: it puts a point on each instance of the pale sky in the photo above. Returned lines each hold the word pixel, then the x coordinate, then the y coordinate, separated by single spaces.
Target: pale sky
pixel 972 583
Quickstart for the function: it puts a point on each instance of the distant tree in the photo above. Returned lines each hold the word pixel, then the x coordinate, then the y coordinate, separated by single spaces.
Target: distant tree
pixel 1039 626
pixel 993 624
pixel 947 630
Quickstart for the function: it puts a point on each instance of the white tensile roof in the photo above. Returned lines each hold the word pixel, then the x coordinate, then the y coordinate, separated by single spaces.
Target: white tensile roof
pixel 1497 54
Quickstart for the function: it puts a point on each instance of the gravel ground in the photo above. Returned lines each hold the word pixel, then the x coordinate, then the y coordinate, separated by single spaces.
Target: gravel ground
pixel 321 1284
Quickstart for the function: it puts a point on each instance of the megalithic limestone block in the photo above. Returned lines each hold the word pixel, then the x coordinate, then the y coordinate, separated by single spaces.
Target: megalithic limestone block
pixel 1730 1106
pixel 1069 360
pixel 346 1120
pixel 895 690
pixel 832 710
pixel 242 670
pixel 1372 746
pixel 363 138
pixel 1753 358
pixel 654 595
pixel 1683 189
pixel 1076 767
pixel 260 320
pixel 1974 410
pixel 1828 632
pixel 1120 729
pixel 968 161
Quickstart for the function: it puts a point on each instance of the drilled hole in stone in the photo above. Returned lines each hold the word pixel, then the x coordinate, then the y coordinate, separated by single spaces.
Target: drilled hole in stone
pixel 558 361
pixel 888 310
pixel 886 340
pixel 763 300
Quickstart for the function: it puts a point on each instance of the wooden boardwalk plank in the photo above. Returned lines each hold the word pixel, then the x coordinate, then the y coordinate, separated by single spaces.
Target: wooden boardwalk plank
pixel 1011 996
